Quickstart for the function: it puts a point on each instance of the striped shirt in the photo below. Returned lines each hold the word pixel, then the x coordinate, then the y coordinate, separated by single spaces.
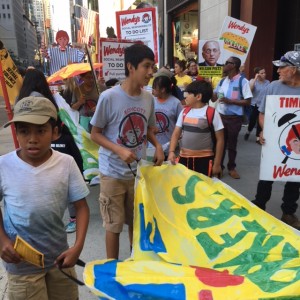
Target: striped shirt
pixel 59 59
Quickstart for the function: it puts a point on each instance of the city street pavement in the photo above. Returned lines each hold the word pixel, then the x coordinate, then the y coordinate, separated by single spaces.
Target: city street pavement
pixel 247 165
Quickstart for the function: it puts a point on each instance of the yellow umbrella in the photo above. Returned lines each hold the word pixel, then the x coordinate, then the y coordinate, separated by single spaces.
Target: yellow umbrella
pixel 72 70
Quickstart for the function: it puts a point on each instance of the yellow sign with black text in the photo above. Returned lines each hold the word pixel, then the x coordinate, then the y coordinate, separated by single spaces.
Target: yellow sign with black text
pixel 12 77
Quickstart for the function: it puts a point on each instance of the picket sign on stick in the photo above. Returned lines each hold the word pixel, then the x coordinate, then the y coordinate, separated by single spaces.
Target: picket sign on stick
pixel 7 103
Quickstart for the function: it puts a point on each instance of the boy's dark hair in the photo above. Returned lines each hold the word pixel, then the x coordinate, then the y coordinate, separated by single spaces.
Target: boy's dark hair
pixel 200 87
pixel 111 82
pixel 168 83
pixel 135 54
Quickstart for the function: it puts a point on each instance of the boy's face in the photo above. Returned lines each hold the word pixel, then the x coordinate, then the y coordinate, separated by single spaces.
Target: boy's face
pixel 143 73
pixel 35 141
pixel 192 100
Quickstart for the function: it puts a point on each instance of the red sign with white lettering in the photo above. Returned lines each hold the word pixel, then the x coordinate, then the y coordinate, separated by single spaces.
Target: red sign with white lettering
pixel 112 57
pixel 140 25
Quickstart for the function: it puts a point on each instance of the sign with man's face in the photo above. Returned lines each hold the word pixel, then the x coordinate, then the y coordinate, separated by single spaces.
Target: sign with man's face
pixel 210 58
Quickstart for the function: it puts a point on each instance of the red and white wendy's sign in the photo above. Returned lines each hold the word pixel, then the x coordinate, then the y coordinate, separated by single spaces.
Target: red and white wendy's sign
pixel 112 57
pixel 139 25
pixel 237 36
pixel 280 157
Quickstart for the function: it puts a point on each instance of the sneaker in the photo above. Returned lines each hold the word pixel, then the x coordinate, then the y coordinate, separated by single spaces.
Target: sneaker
pixel 246 136
pixel 71 227
pixel 234 174
pixel 291 220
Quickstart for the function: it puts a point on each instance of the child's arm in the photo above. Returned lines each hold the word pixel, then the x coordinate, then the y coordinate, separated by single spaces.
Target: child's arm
pixel 159 155
pixel 69 257
pixel 8 253
pixel 125 154
pixel 173 144
pixel 216 169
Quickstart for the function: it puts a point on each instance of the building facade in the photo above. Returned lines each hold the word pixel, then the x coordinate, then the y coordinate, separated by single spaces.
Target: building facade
pixel 17 30
pixel 277 21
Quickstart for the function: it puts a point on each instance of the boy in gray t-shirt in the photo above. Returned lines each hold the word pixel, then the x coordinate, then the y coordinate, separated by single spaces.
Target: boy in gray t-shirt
pixel 123 122
pixel 36 185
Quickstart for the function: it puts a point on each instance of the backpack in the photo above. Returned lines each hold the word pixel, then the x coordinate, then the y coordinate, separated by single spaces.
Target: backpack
pixel 240 84
pixel 210 113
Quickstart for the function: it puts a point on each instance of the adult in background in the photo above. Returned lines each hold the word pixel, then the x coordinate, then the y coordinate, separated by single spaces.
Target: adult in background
pixel 85 99
pixel 181 78
pixel 288 84
pixel 233 93
pixel 192 70
pixel 257 86
pixel 211 53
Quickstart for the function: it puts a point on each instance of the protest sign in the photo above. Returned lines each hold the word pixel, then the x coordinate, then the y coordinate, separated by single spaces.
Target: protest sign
pixel 139 25
pixel 210 58
pixel 237 36
pixel 280 157
pixel 13 79
pixel 112 57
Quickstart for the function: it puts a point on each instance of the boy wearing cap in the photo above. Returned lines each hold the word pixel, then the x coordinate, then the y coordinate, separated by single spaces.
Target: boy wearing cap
pixel 288 84
pixel 36 184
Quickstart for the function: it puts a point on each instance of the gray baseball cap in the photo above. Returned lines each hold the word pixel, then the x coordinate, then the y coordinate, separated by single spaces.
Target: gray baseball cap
pixel 163 72
pixel 291 59
pixel 35 110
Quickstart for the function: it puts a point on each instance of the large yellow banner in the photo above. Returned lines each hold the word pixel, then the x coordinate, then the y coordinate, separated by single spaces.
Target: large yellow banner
pixel 13 79
pixel 196 238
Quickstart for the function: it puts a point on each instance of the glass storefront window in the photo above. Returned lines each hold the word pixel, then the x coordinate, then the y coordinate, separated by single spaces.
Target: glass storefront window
pixel 185 41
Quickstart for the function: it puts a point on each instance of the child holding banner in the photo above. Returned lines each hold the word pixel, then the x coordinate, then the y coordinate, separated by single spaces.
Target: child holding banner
pixel 199 125
pixel 123 121
pixel 36 185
